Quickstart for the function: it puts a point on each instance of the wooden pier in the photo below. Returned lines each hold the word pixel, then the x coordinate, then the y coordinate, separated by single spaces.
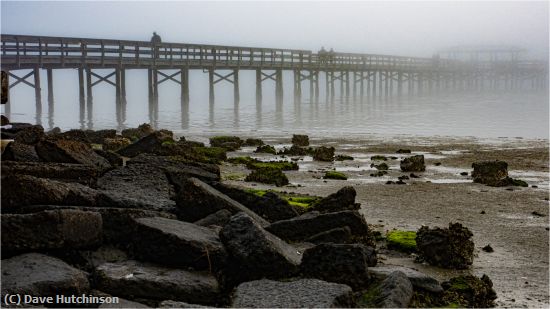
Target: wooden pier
pixel 357 74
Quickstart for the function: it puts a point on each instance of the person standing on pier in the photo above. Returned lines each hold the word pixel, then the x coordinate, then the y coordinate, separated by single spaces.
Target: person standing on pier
pixel 155 41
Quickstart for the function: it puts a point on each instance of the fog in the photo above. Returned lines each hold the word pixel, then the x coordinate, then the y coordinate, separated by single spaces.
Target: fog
pixel 399 28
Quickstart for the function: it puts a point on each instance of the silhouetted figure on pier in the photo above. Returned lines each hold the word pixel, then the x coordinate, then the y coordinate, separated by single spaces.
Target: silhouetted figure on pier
pixel 155 42
pixel 322 55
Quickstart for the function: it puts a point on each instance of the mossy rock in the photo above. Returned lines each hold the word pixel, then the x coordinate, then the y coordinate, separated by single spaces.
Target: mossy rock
pixel 302 201
pixel 300 140
pixel 379 158
pixel 272 176
pixel 280 165
pixel 240 160
pixel 266 149
pixel 517 182
pixel 253 142
pixel 226 141
pixel 380 167
pixel 335 175
pixel 216 153
pixel 401 240
pixel 378 174
pixel 234 176
pixel 343 158
pixel 469 291
pixel 368 298
pixel 168 143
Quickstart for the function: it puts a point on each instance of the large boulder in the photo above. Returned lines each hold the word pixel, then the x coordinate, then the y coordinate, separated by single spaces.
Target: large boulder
pixel 219 218
pixel 115 143
pixel 413 164
pixel 30 135
pixel 339 235
pixel 255 253
pixel 147 144
pixel 16 151
pixel 269 206
pixel 324 154
pixel 142 182
pixel 229 142
pixel 395 291
pixel 178 169
pixel 134 279
pixel 36 275
pixel 340 263
pixel 69 151
pixel 98 137
pixel 141 131
pixel 344 199
pixel 303 293
pixel 112 157
pixel 492 173
pixel 196 200
pixel 419 280
pixel 22 190
pixel 51 229
pixel 177 244
pixel 448 248
pixel 470 292
pixel 300 140
pixel 65 172
pixel 312 223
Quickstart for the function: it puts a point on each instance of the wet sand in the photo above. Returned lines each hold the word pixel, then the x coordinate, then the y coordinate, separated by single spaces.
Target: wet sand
pixel 519 264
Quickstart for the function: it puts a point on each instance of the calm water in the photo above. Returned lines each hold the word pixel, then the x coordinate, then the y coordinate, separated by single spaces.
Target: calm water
pixel 496 114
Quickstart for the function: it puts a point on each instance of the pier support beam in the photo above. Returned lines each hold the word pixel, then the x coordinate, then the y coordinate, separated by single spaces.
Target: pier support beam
pixel 258 87
pixel 279 86
pixel 89 97
pixel 81 97
pixel 236 94
pixel 38 95
pixel 211 87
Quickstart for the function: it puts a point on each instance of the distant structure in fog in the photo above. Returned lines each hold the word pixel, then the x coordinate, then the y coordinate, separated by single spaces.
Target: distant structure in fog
pixel 483 53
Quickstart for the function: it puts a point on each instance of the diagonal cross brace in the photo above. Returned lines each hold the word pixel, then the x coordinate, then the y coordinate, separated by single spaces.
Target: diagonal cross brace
pixel 103 79
pixel 269 76
pixel 21 79
pixel 169 77
pixel 221 77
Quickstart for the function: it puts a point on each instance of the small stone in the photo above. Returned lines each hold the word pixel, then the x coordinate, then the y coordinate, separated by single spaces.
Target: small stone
pixel 488 248
pixel 464 173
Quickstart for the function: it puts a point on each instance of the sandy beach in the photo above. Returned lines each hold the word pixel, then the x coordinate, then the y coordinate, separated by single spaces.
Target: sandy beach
pixel 519 264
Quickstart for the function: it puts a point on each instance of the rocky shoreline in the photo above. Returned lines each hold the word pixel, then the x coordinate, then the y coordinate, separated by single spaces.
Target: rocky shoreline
pixel 147 218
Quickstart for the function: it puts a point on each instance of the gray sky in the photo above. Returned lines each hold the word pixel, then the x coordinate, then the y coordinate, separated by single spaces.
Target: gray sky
pixel 403 28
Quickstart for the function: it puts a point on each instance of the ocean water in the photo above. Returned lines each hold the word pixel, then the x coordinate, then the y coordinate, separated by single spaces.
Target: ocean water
pixel 492 114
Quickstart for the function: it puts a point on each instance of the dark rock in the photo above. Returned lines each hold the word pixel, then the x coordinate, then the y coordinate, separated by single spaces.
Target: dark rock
pixel 89 260
pixel 400 182
pixel 6 135
pixel 68 151
pixel 123 303
pixel 3 119
pixel 179 169
pixel 197 200
pixel 389 182
pixel 141 182
pixel 253 142
pixel 379 158
pixel 341 235
pixel 255 253
pixel 147 144
pixel 139 280
pixel 395 291
pixel 219 218
pixel 112 157
pixel 419 280
pixel 177 244
pixel 16 127
pixel 296 151
pixel 403 151
pixel 413 164
pixel 381 166
pixel 464 174
pixel 115 143
pixel 437 163
pixel 30 135
pixel 303 293
pixel 16 151
pixel 413 175
pixel 343 158
pixel 492 173
pixel 488 248
pixel 52 229
pixel 65 172
pixel 403 177
pixel 470 292
pixel 324 154
pixel 379 174
pixel 229 142
pixel 74 135
pixel 41 275
pixel 134 134
pixel 538 214
pixel 269 176
pixel 54 131
pixel 97 137
pixel 312 223
pixel 269 206
pixel 266 149
pixel 448 248
pixel 340 263
pixel 300 140
pixel 190 144
pixel 21 190
pixel 344 199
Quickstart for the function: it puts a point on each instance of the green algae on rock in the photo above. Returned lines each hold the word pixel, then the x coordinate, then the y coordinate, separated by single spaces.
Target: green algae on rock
pixel 335 175
pixel 266 149
pixel 268 176
pixel 401 240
